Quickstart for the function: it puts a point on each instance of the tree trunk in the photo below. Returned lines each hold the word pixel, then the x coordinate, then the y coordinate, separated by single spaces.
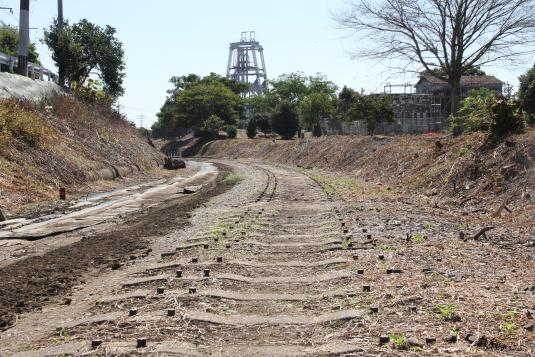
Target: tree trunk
pixel 61 76
pixel 455 84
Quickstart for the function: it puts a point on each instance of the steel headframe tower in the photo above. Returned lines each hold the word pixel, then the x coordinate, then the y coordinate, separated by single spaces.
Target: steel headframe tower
pixel 243 64
pixel 24 36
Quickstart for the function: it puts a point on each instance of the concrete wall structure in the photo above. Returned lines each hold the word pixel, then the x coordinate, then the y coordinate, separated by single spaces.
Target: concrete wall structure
pixel 20 87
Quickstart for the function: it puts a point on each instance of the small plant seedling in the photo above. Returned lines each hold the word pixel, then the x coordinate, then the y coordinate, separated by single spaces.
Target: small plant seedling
pixel 446 311
pixel 400 341
pixel 463 151
pixel 387 248
pixel 217 232
pixel 511 313
pixel 429 225
pixel 508 327
pixel 418 238
pixel 346 244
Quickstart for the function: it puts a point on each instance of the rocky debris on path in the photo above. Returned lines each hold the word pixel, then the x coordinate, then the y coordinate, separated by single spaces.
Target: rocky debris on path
pixel 188 190
pixel 280 264
pixel 172 163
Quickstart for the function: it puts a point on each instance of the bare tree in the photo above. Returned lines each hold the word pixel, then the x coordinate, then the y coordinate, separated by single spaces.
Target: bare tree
pixel 451 35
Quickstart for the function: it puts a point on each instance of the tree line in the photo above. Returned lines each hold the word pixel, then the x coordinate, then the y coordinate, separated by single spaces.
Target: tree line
pixel 292 102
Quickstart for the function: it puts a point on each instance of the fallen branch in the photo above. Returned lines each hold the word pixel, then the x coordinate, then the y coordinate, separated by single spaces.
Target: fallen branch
pixel 483 232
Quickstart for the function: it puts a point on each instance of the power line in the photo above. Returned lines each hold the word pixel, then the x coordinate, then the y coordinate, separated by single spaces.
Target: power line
pixel 11 12
pixel 139 109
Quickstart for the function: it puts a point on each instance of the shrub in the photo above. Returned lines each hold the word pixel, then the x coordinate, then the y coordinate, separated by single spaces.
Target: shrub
pixel 506 117
pixel 474 115
pixel 232 178
pixel 484 110
pixel 526 93
pixel 284 121
pixel 316 131
pixel 18 126
pixel 232 132
pixel 91 92
pixel 209 128
pixel 262 122
pixel 251 129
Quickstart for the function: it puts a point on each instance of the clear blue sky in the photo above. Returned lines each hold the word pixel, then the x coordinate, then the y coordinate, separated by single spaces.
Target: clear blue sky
pixel 163 38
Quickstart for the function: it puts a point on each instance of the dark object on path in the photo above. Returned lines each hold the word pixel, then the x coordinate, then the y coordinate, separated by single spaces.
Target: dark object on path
pixel 172 163
pixel 3 216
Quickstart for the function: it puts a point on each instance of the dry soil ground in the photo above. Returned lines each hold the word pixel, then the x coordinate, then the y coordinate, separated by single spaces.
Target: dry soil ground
pixel 285 263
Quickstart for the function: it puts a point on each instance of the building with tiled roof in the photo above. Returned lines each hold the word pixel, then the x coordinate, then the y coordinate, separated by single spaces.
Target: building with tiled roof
pixel 432 85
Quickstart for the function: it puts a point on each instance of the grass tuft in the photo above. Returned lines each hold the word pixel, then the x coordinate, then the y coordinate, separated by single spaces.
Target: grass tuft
pixel 232 178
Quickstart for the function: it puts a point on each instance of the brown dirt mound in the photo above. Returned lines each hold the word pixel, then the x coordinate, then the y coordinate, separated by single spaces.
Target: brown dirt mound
pixel 60 143
pixel 462 169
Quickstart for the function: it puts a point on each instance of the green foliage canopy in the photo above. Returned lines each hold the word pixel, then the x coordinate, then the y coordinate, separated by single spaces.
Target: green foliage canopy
pixel 485 110
pixel 251 128
pixel 209 129
pixel 193 99
pixel 526 92
pixel 9 43
pixel 285 121
pixel 314 107
pixel 372 110
pixel 83 50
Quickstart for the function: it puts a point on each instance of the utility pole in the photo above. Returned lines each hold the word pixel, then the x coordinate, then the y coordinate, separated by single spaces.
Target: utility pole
pixel 24 36
pixel 60 14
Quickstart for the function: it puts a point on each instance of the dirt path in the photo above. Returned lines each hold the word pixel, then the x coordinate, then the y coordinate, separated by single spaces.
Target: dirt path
pixel 280 265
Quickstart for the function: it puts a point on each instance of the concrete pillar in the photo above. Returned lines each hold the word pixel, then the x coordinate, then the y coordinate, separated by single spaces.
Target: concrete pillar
pixel 24 36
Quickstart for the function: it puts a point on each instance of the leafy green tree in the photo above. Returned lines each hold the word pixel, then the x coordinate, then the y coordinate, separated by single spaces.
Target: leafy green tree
pixel 233 85
pixel 295 87
pixel 469 71
pixel 9 43
pixel 182 82
pixel 346 98
pixel 251 129
pixel 209 129
pixel 198 102
pixel 262 122
pixel 372 110
pixel 264 103
pixel 290 87
pixel 285 120
pixel 192 100
pixel 83 50
pixel 314 107
pixel 526 93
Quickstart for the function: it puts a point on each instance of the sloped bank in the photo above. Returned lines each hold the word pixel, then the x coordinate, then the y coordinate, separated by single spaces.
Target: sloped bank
pixel 61 142
pixel 462 169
